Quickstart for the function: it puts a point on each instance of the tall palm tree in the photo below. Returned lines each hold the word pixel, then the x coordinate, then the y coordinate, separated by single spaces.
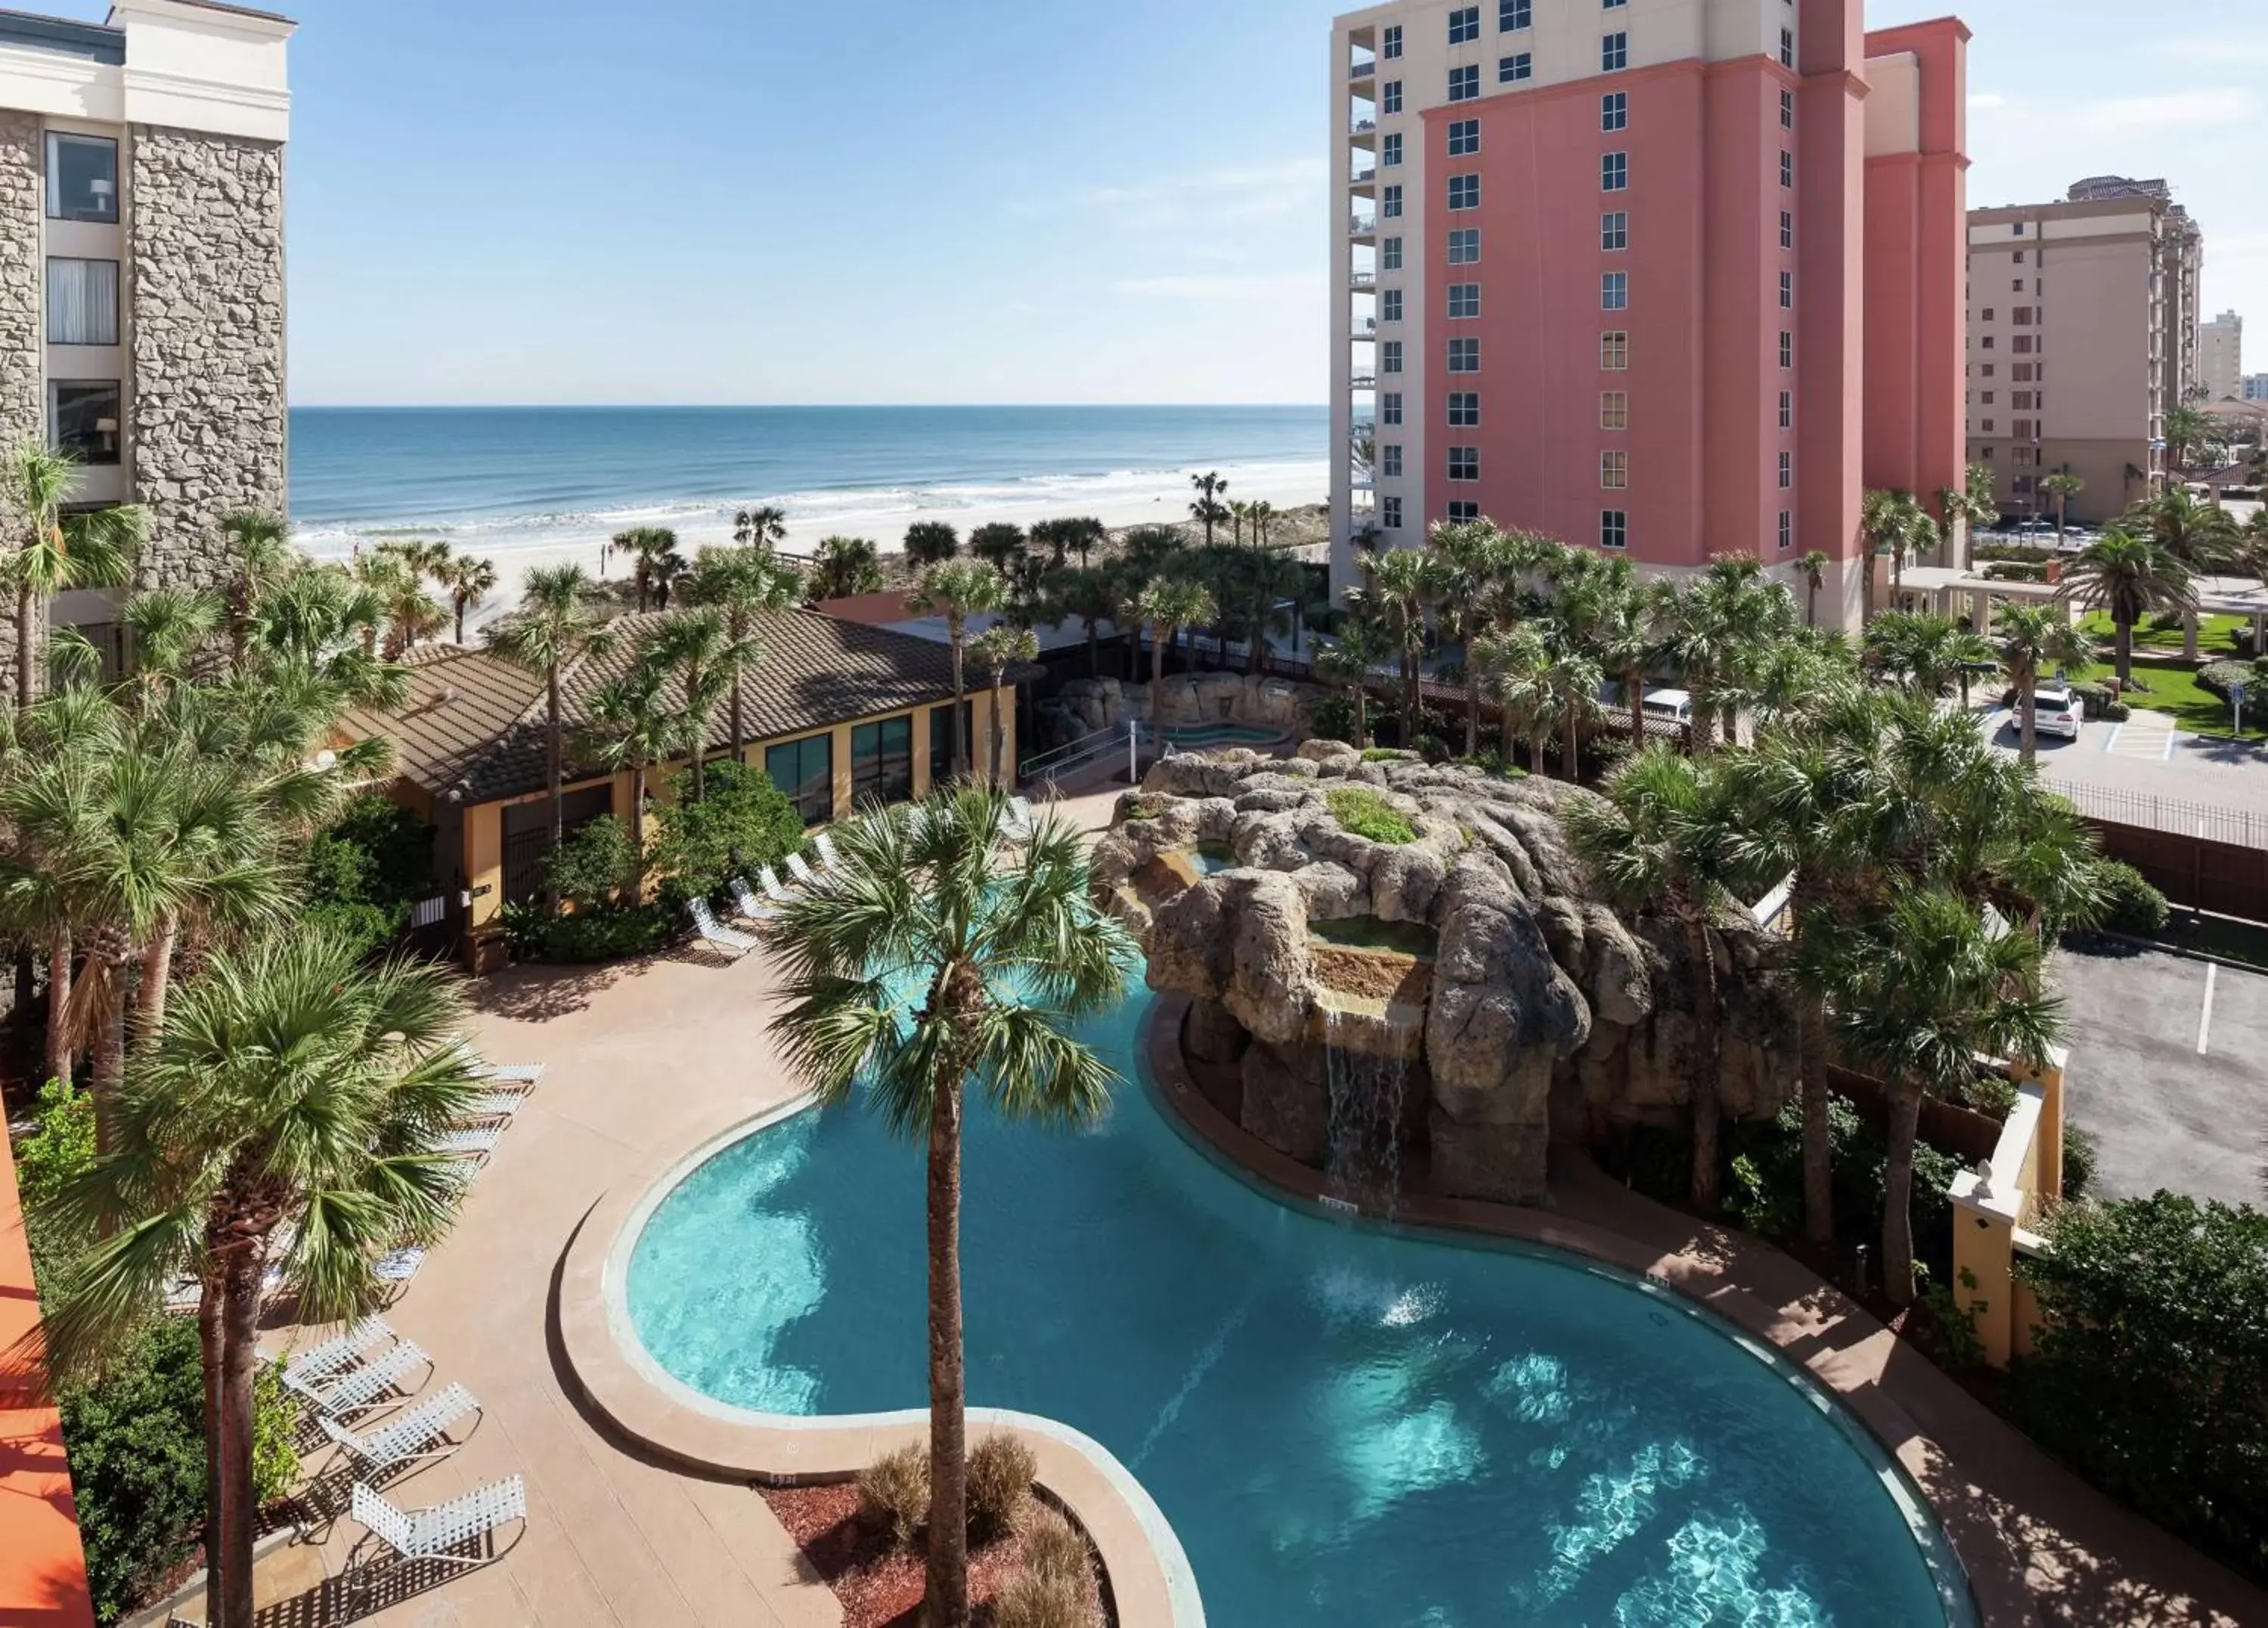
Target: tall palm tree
pixel 1167 605
pixel 166 629
pixel 1923 987
pixel 1360 646
pixel 1400 585
pixel 1091 596
pixel 694 648
pixel 468 580
pixel 742 584
pixel 554 629
pixel 1574 678
pixel 997 649
pixel 2196 530
pixel 53 551
pixel 1894 523
pixel 634 723
pixel 316 628
pixel 1208 511
pixel 290 1115
pixel 1517 665
pixel 1717 628
pixel 2130 577
pixel 842 567
pixel 933 954
pixel 648 547
pixel 2187 433
pixel 1616 616
pixel 996 545
pixel 1659 838
pixel 1465 559
pixel 1262 515
pixel 931 542
pixel 260 555
pixel 2063 486
pixel 1922 652
pixel 763 528
pixel 2031 636
pixel 1082 534
pixel 1813 565
pixel 1972 504
pixel 957 591
pixel 411 614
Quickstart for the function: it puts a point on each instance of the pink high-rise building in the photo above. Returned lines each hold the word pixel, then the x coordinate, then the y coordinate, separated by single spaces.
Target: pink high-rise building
pixel 1677 277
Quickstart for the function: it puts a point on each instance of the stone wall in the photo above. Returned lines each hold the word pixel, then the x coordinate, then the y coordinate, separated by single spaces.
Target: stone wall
pixel 208 410
pixel 1258 700
pixel 23 407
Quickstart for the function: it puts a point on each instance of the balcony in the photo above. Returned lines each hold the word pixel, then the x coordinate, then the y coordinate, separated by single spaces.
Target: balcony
pixel 1364 132
pixel 1364 328
pixel 1360 228
pixel 1362 429
pixel 1362 178
pixel 1361 70
pixel 1364 381
pixel 1362 279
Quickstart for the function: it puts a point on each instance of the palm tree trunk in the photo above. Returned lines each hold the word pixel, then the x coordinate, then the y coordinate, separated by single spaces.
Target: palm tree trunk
pixel 1708 1048
pixel 1898 1195
pixel 157 978
pixel 1574 746
pixel 461 622
pixel 962 745
pixel 1535 738
pixel 210 1347
pixel 1634 685
pixel 1361 716
pixel 1157 662
pixel 110 1040
pixel 229 1550
pixel 2125 651
pixel 999 744
pixel 24 651
pixel 637 833
pixel 59 1051
pixel 948 1601
pixel 556 774
pixel 1811 606
pixel 2028 715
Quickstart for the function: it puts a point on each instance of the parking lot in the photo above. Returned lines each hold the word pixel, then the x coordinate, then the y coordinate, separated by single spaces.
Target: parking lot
pixel 2169 1071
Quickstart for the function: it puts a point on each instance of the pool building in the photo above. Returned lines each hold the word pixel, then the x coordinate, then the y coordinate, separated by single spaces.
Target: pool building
pixel 837 712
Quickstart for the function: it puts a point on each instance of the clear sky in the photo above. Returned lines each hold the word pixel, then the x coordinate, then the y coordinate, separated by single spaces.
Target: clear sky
pixel 1023 201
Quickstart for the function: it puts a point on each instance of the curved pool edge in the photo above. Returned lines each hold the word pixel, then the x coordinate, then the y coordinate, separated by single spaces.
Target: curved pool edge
pixel 1148 1574
pixel 1995 1580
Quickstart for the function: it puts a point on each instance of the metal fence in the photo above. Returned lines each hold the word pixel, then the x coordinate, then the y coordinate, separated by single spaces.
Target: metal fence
pixel 2241 828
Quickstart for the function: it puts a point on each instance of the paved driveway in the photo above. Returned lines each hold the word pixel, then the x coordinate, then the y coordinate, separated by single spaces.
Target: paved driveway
pixel 2169 1071
pixel 2140 761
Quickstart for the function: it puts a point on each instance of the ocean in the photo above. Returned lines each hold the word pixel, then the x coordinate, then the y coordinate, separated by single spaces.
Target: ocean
pixel 513 481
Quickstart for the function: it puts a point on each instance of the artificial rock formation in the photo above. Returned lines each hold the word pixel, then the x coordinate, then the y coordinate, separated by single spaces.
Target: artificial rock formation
pixel 1180 701
pixel 1541 1012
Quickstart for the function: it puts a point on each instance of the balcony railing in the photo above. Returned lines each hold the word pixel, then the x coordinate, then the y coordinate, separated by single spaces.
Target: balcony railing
pixel 1364 381
pixel 1362 429
pixel 1360 228
pixel 1362 279
pixel 1361 70
pixel 1362 178
pixel 1366 328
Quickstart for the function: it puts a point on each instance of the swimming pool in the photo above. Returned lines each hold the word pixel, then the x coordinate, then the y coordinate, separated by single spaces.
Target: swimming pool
pixel 1203 736
pixel 1347 1425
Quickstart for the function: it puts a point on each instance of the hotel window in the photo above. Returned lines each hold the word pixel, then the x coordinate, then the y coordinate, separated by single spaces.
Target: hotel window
pixel 1985 343
pixel 82 178
pixel 2021 429
pixel 1465 83
pixel 1464 301
pixel 1389 514
pixel 1464 356
pixel 1614 111
pixel 1787 110
pixel 1786 229
pixel 82 419
pixel 1516 69
pixel 1390 356
pixel 1389 203
pixel 1389 151
pixel 2023 484
pixel 2022 401
pixel 1390 306
pixel 1614 231
pixel 1389 254
pixel 1389 459
pixel 2021 344
pixel 1614 172
pixel 1464 192
pixel 1787 291
pixel 2017 286
pixel 1513 15
pixel 1463 508
pixel 1787 409
pixel 1464 462
pixel 1389 97
pixel 82 301
pixel 1464 409
pixel 1614 409
pixel 1464 138
pixel 1788 48
pixel 804 772
pixel 1787 169
pixel 1614 290
pixel 1614 351
pixel 1389 408
pixel 1614 52
pixel 2023 455
pixel 1786 348
pixel 1614 529
pixel 1465 246
pixel 1390 42
pixel 1613 469
pixel 2022 372
pixel 1786 472
pixel 1615 6
pixel 882 761
pixel 1985 453
pixel 1984 399
pixel 1464 24
pixel 1986 427
pixel 2021 315
pixel 2020 257
pixel 1786 530
pixel 2020 229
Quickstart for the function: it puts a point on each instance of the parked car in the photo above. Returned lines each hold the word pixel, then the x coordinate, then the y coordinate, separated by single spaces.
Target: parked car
pixel 1672 706
pixel 2055 711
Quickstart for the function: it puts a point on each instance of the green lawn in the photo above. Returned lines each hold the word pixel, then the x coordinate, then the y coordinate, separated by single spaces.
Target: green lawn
pixel 2174 689
pixel 2214 634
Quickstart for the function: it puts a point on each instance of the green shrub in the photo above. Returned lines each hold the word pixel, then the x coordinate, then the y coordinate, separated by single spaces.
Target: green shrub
pixel 2116 712
pixel 1331 718
pixel 591 865
pixel 1945 1332
pixel 608 934
pixel 2131 905
pixel 2080 1153
pixel 1000 1473
pixel 60 1146
pixel 2092 698
pixel 743 822
pixel 1765 1163
pixel 2152 1362
pixel 366 870
pixel 1366 814
pixel 1494 764
pixel 369 927
pixel 2011 551
pixel 894 1494
pixel 1053 1549
pixel 1387 754
pixel 2217 678
pixel 1035 1600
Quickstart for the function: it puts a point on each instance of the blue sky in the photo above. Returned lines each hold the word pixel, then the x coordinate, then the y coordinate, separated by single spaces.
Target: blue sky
pixel 692 201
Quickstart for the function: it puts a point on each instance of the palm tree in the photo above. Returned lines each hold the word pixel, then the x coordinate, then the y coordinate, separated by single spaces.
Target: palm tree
pixel 1574 678
pixel 469 582
pixel 411 614
pixel 1717 628
pixel 554 628
pixel 1208 511
pixel 1091 595
pixel 2196 530
pixel 743 584
pixel 1973 503
pixel 260 555
pixel 997 649
pixel 998 546
pixel 634 724
pixel 1399 582
pixel 957 591
pixel 842 567
pixel 1466 558
pixel 648 546
pixel 1167 605
pixel 55 551
pixel 165 629
pixel 2032 636
pixel 288 1115
pixel 763 529
pixel 1923 987
pixel 931 542
pixel 1518 668
pixel 1082 534
pixel 1924 652
pixel 695 648
pixel 1894 521
pixel 1660 837
pixel 2063 486
pixel 316 629
pixel 1813 566
pixel 934 954
pixel 1261 514
pixel 1612 615
pixel 2130 577
pixel 2187 432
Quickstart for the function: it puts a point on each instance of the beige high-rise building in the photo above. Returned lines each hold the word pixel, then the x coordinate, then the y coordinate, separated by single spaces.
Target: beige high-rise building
pixel 2083 336
pixel 2221 357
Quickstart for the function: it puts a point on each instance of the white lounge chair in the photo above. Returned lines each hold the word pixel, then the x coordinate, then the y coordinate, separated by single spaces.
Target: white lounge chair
pixel 396 1267
pixel 705 923
pixel 410 1436
pixel 521 1074
pixel 365 1386
pixel 1022 822
pixel 338 1353
pixel 435 1533
pixel 492 1105
pixel 774 890
pixel 746 905
pixel 803 874
pixel 824 845
pixel 475 1142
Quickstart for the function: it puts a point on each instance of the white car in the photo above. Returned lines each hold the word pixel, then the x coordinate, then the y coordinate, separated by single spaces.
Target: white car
pixel 2054 712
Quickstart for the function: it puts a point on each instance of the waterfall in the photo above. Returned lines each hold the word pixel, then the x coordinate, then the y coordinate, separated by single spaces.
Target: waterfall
pixel 1367 1095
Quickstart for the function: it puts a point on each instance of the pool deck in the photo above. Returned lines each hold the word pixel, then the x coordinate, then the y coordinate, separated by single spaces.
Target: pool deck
pixel 645 1058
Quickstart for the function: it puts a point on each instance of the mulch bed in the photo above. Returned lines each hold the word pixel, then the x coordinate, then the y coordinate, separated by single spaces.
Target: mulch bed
pixel 877 1587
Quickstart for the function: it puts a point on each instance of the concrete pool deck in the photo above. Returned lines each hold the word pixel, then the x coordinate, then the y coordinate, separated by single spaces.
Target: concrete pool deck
pixel 642 1055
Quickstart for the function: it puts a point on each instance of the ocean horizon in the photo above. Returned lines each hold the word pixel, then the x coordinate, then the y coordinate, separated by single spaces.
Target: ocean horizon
pixel 507 479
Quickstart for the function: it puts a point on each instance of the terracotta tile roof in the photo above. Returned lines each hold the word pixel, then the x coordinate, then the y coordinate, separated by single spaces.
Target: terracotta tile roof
pixel 477 723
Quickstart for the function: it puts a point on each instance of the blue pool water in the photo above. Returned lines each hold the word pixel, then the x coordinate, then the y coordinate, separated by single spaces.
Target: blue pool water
pixel 1349 1428
pixel 1203 734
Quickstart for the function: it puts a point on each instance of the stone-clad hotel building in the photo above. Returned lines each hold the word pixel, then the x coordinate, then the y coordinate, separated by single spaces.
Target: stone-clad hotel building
pixel 142 269
pixel 1675 278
